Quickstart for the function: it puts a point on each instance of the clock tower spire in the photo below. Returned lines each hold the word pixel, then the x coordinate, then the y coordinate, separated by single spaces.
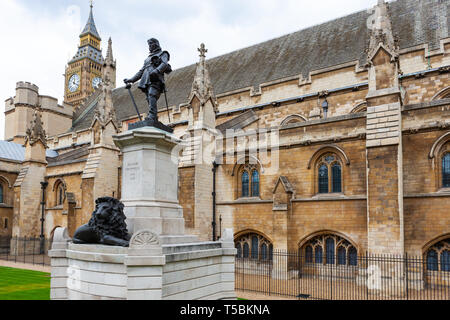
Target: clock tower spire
pixel 84 71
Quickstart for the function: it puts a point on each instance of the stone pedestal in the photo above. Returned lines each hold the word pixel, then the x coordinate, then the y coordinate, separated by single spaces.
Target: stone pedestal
pixel 147 270
pixel 162 262
pixel 150 181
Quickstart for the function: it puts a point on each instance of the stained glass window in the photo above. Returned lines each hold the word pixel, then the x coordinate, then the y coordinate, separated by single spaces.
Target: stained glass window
pixel 336 178
pixel 323 179
pixel 255 183
pixel 446 171
pixel 245 184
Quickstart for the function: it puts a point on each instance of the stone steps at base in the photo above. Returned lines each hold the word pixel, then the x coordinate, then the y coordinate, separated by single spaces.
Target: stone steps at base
pixel 168 240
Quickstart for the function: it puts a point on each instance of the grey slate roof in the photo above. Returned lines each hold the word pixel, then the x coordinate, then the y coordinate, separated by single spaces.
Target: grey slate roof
pixel 329 44
pixel 89 52
pixel 90 27
pixel 16 152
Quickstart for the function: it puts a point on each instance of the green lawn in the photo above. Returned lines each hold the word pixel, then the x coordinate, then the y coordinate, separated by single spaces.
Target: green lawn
pixel 18 284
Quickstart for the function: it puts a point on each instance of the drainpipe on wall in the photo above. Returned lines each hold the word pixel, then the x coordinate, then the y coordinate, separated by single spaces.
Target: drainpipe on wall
pixel 214 170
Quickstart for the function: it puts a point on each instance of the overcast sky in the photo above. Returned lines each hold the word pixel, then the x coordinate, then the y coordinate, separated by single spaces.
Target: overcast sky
pixel 40 36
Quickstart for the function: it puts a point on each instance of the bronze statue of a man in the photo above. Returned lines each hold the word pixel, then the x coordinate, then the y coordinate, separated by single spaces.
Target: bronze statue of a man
pixel 151 77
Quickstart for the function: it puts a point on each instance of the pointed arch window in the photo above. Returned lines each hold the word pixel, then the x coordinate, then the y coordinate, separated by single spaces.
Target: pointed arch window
pixel 255 183
pixel 1 194
pixel 446 170
pixel 438 256
pixel 249 181
pixel 60 194
pixel 255 247
pixel 330 249
pixel 329 174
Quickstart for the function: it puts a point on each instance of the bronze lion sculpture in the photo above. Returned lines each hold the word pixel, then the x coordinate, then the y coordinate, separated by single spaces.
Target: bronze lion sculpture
pixel 107 225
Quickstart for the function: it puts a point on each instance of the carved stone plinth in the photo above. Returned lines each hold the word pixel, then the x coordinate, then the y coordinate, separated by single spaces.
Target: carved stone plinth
pixel 150 181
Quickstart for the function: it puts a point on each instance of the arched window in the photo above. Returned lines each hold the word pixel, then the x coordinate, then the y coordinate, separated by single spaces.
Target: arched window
pixel 60 194
pixel 438 256
pixel 6 223
pixel 250 180
pixel 446 171
pixel 329 174
pixel 245 184
pixel 336 249
pixel 255 247
pixel 295 118
pixel 1 194
pixel 255 183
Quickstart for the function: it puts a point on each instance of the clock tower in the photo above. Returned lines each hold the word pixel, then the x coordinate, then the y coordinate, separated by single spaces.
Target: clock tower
pixel 84 71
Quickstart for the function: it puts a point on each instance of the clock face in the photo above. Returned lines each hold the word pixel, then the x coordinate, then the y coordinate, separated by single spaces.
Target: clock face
pixel 95 82
pixel 74 83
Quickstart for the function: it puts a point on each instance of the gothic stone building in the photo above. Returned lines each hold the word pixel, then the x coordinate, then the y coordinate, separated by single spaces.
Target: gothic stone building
pixel 361 111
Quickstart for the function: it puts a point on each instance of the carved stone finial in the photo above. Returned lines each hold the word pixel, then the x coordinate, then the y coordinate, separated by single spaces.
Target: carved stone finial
pixel 380 31
pixel 202 87
pixel 104 111
pixel 202 50
pixel 144 239
pixel 35 131
pixel 109 53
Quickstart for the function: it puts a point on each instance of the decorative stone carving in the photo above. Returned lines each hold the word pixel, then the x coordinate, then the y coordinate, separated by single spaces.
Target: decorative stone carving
pixel 107 225
pixel 202 87
pixel 143 239
pixel 36 131
pixel 380 33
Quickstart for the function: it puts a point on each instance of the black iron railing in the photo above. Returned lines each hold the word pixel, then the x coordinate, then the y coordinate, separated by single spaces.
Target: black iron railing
pixel 368 277
pixel 25 250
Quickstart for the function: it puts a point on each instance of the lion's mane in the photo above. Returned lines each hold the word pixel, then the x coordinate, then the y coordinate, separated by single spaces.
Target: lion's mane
pixel 114 224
